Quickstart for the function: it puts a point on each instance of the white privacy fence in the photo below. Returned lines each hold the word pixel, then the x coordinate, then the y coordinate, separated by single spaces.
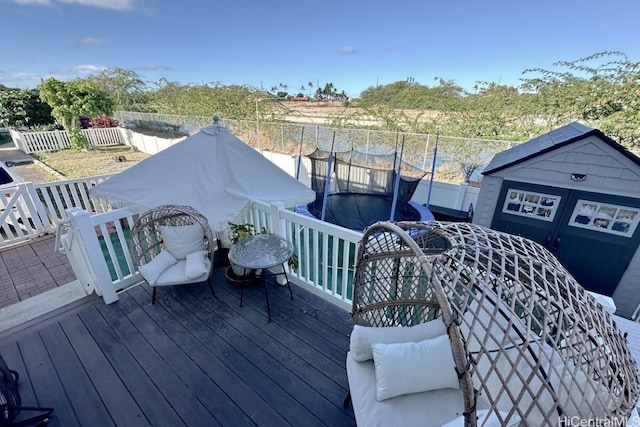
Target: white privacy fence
pixel 97 247
pixel 34 142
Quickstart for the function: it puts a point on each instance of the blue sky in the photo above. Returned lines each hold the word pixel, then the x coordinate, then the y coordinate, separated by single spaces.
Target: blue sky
pixel 352 44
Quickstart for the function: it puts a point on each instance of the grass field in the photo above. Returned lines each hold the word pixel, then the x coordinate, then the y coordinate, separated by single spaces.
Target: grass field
pixel 96 161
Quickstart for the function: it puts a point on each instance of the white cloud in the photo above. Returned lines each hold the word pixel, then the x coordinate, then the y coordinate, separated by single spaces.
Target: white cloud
pixel 93 40
pixel 10 77
pixel 152 67
pixel 347 50
pixel 86 69
pixel 33 2
pixel 119 5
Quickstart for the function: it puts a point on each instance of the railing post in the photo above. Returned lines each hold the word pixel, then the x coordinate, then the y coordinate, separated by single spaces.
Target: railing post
pixel 278 225
pixel 80 220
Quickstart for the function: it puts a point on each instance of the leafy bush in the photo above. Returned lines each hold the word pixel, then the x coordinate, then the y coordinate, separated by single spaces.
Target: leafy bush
pixel 85 122
pixel 78 140
pixel 103 122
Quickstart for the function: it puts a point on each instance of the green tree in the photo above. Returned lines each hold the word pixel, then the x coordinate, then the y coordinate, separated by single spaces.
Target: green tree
pixel 127 89
pixel 232 102
pixel 70 100
pixel 23 108
pixel 602 89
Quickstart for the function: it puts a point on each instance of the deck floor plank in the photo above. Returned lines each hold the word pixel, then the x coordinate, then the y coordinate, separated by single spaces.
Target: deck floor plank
pixel 294 352
pixel 218 376
pixel 42 375
pixel 140 385
pixel 243 357
pixel 135 329
pixel 71 369
pixel 298 378
pixel 190 359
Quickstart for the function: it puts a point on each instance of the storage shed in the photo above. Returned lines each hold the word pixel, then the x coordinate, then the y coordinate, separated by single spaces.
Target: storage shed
pixel 577 192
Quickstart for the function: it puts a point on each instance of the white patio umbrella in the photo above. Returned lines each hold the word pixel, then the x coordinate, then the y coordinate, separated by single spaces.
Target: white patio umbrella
pixel 212 171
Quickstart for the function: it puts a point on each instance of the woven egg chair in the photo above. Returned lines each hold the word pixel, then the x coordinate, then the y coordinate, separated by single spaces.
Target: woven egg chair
pixel 146 242
pixel 530 345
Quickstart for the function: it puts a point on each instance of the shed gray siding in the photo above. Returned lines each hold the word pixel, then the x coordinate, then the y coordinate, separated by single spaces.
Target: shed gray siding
pixel 607 171
pixel 627 294
pixel 487 200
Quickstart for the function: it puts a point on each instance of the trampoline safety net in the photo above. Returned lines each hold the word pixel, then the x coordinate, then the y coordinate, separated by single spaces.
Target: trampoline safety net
pixel 361 188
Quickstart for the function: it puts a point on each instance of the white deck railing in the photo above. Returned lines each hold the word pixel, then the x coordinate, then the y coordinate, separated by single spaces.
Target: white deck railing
pixel 97 247
pixel 58 196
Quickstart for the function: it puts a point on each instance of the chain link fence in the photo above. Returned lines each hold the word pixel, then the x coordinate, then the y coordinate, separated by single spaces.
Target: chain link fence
pixel 456 159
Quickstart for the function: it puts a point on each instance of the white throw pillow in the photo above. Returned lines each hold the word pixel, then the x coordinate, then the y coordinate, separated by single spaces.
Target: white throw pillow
pixel 363 336
pixel 487 419
pixel 154 268
pixel 410 367
pixel 195 265
pixel 182 240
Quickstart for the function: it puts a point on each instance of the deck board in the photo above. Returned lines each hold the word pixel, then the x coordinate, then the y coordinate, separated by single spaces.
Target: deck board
pixel 190 359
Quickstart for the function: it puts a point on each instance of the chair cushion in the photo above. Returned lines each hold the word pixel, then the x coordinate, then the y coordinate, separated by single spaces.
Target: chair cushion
pixel 181 240
pixel 175 275
pixel 425 409
pixel 487 419
pixel 412 367
pixel 152 270
pixel 363 336
pixel 195 265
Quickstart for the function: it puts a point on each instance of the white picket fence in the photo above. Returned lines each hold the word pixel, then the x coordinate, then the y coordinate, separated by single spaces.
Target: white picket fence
pixel 34 142
pixel 99 254
pixel 31 210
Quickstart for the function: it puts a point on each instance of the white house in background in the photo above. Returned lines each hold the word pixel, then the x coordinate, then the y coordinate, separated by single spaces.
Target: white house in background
pixel 577 192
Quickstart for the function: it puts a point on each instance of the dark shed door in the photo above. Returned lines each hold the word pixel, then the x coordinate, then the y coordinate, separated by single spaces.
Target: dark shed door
pixel 594 235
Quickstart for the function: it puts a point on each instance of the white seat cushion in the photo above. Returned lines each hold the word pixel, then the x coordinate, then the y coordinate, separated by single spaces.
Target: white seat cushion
pixel 426 409
pixel 152 270
pixel 487 419
pixel 175 275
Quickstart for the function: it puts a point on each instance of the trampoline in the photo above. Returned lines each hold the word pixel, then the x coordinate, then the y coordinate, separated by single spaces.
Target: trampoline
pixel 362 189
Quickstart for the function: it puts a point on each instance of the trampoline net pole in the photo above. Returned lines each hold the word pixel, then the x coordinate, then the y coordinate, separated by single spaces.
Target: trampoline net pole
pixel 328 180
pixel 396 184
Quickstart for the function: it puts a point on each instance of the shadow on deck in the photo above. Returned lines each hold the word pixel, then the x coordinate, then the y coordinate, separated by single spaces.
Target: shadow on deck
pixel 190 359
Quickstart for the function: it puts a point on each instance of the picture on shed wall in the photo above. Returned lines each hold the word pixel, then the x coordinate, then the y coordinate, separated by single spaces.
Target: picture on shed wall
pixel 613 219
pixel 531 204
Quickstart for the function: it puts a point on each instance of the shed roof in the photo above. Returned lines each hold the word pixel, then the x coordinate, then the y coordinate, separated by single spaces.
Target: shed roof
pixel 549 141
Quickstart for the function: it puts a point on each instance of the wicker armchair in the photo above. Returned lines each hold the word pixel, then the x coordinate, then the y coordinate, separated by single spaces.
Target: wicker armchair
pixel 147 242
pixel 530 345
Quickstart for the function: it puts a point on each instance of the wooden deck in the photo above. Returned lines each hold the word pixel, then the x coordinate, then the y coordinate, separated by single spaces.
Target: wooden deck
pixel 191 359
